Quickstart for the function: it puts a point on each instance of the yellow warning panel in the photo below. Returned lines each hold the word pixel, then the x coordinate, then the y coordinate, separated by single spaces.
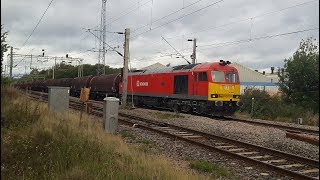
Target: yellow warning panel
pixel 84 96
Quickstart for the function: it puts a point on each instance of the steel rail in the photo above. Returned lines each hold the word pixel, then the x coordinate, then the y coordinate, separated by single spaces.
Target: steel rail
pixel 279 126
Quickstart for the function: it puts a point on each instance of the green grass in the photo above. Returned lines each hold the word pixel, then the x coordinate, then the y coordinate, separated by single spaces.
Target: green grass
pixel 19 115
pixel 38 144
pixel 148 146
pixel 146 141
pixel 214 169
pixel 161 115
pixel 127 134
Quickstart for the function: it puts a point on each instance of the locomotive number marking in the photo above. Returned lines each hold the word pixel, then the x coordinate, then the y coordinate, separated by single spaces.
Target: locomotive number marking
pixel 142 83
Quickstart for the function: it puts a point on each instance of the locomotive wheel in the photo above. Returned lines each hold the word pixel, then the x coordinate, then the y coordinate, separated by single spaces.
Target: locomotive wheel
pixel 186 108
pixel 176 108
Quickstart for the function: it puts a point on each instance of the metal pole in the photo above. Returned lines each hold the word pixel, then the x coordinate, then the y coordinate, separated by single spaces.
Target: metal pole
pixel 194 50
pixel 11 62
pixel 125 68
pixel 31 62
pixel 78 68
pixel 53 69
pixel 252 107
pixel 53 72
pixel 81 68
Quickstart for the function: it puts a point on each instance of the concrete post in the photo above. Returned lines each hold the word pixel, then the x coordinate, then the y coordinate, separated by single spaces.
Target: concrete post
pixel 58 98
pixel 110 114
pixel 125 68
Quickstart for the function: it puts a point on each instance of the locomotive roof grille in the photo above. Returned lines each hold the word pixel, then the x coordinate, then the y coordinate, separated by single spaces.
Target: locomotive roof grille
pixel 223 63
pixel 179 67
pixel 138 70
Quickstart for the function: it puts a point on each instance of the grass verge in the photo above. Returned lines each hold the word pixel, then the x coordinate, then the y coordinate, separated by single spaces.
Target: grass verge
pixel 215 170
pixel 48 145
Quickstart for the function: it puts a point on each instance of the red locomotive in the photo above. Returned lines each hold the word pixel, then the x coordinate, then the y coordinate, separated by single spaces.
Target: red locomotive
pixel 207 88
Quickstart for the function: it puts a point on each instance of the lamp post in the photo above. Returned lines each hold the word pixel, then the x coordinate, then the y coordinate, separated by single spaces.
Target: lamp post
pixel 193 55
pixel 252 103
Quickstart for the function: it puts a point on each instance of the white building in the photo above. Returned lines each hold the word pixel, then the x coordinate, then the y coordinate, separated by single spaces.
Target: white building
pixel 250 78
pixel 153 66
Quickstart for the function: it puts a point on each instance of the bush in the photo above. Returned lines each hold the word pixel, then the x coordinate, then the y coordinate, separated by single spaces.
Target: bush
pixel 274 107
pixel 5 81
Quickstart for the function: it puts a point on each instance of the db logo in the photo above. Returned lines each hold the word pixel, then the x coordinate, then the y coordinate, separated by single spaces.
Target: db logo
pixel 226 87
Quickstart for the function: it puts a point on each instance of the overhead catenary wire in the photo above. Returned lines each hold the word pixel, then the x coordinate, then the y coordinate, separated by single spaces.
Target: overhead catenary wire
pixel 214 3
pixel 105 43
pixel 175 50
pixel 112 20
pixel 228 43
pixel 207 6
pixel 36 25
pixel 216 45
pixel 245 19
pixel 241 20
pixel 168 15
pixel 137 8
pixel 258 38
pixel 24 57
pixel 34 30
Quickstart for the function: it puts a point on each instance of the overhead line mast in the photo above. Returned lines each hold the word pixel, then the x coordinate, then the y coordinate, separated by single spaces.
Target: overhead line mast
pixel 102 47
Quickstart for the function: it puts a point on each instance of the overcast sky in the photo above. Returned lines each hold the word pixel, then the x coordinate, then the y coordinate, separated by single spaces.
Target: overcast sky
pixel 223 29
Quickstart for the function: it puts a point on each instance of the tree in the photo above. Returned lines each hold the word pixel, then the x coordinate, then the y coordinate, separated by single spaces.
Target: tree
pixel 300 80
pixel 4 45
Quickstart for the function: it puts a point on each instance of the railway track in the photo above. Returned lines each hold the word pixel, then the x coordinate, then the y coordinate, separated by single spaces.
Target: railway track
pixel 284 163
pixel 278 126
pixel 255 122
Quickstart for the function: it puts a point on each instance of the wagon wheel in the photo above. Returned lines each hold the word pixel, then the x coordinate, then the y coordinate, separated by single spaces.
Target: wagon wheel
pixel 176 108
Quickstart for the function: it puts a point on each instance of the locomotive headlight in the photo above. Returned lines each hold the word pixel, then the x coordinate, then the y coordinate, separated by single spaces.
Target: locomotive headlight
pixel 236 96
pixel 214 95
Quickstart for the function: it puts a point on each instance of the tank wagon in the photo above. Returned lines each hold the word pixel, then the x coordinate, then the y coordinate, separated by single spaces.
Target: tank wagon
pixel 104 85
pixel 77 83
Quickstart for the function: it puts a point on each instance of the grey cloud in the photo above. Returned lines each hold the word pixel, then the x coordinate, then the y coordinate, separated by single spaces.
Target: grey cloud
pixel 61 31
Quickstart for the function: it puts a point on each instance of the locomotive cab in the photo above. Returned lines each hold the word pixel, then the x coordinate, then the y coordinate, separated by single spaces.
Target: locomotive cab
pixel 224 87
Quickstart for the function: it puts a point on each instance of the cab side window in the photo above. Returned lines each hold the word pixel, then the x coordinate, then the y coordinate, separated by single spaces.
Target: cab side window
pixel 203 76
